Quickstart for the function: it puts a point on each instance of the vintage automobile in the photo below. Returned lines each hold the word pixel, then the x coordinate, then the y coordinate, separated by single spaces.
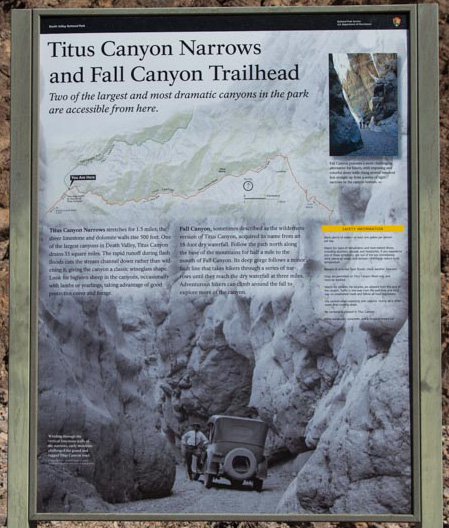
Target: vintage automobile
pixel 235 451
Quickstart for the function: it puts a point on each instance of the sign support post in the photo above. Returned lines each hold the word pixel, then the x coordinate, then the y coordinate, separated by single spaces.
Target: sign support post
pixel 20 271
pixel 430 285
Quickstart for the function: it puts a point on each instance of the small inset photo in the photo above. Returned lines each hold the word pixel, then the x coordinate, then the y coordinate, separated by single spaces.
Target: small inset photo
pixel 363 104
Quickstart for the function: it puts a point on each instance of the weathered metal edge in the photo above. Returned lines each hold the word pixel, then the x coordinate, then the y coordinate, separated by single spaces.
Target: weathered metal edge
pixel 188 517
pixel 414 271
pixel 223 11
pixel 429 248
pixel 20 207
pixel 34 285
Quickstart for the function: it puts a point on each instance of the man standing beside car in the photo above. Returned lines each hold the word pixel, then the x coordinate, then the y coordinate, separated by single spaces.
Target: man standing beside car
pixel 191 441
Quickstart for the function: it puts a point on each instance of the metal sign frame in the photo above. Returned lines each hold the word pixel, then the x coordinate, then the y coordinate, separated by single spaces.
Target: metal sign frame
pixel 426 424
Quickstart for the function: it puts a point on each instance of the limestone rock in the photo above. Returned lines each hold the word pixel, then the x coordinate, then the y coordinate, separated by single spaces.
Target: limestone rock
pixel 61 491
pixel 95 382
pixel 362 461
pixel 206 361
pixel 370 85
pixel 344 132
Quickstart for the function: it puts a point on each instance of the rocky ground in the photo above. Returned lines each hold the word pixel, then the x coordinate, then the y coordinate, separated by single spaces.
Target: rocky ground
pixel 191 496
pixel 5 11
pixel 374 142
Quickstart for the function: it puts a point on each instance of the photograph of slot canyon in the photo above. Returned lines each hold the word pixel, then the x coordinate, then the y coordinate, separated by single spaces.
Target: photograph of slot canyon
pixel 127 379
pixel 363 104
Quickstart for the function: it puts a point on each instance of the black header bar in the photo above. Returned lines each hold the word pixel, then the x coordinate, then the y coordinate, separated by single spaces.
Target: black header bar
pixel 223 22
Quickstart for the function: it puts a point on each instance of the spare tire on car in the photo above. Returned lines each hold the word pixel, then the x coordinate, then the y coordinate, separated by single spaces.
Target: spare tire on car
pixel 235 451
pixel 240 464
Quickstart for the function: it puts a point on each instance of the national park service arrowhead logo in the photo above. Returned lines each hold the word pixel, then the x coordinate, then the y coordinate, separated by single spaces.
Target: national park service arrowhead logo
pixel 397 21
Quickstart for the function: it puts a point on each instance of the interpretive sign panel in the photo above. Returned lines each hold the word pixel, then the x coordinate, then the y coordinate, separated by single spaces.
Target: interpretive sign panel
pixel 225 319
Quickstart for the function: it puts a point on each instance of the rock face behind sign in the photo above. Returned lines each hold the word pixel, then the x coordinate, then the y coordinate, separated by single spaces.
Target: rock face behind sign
pixel 94 381
pixel 4 133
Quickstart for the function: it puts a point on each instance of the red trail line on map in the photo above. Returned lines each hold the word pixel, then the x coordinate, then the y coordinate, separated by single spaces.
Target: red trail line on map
pixel 309 198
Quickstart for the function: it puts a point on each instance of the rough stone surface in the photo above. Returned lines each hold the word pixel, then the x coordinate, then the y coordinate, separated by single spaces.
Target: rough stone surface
pixel 373 397
pixel 344 132
pixel 62 491
pixel 96 380
pixel 204 361
pixel 266 357
pixel 385 92
pixel 371 85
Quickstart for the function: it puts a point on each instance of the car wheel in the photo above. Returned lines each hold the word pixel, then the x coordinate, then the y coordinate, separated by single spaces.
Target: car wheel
pixel 240 464
pixel 258 484
pixel 208 479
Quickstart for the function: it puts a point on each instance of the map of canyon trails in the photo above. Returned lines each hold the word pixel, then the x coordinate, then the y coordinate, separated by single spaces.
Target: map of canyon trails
pixel 206 160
